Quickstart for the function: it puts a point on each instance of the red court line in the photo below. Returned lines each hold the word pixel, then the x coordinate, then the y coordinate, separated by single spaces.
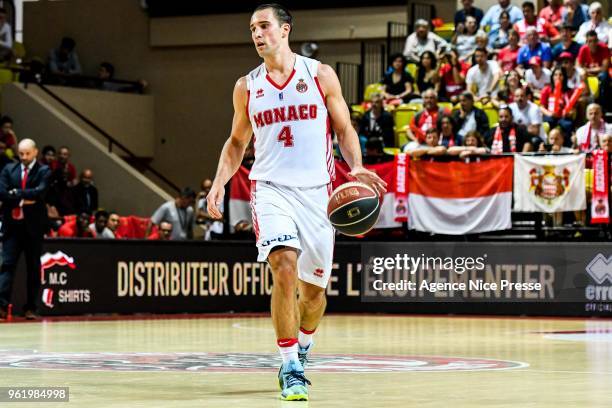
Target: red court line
pixel 53 319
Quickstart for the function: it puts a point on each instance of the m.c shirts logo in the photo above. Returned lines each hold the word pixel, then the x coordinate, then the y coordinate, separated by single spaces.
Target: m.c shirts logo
pixel 600 269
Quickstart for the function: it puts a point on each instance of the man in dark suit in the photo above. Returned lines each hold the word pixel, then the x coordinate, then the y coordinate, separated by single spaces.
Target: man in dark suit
pixel 85 193
pixel 23 187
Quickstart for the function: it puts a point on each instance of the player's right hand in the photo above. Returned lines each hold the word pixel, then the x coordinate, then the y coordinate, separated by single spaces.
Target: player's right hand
pixel 214 200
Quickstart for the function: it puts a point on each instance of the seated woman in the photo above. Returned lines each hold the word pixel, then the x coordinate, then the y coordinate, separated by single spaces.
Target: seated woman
pixel 427 75
pixel 553 109
pixel 499 34
pixel 473 145
pixel 465 43
pixel 512 82
pixel 398 84
pixel 446 128
pixel 452 75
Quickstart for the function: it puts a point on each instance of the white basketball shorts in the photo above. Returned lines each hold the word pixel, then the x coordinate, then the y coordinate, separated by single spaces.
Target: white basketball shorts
pixel 295 217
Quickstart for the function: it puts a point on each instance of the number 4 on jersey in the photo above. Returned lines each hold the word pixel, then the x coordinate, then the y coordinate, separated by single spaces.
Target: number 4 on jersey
pixel 286 137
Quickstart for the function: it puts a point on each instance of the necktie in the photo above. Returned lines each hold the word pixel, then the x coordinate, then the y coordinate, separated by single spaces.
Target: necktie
pixel 17 212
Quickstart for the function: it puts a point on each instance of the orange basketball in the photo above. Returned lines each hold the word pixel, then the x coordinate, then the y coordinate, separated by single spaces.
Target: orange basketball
pixel 353 208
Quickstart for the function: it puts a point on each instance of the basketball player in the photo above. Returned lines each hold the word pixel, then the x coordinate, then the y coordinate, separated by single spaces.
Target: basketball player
pixel 289 104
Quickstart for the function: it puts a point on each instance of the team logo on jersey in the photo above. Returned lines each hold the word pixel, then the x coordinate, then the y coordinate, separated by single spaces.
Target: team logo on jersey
pixel 259 93
pixel 280 96
pixel 301 86
pixel 318 272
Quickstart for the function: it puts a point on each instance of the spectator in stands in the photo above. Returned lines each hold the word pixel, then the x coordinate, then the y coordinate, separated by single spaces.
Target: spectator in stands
pixel 482 41
pixel 243 230
pixel 588 136
pixel 64 60
pixel 575 75
pixel 374 151
pixel 483 78
pixel 537 77
pixel 85 193
pixel 7 135
pixel 98 227
pixel 63 177
pixel 552 13
pixel 534 48
pixel 467 10
pixel 430 145
pixel 113 223
pixel 355 123
pixel 473 144
pixel 507 136
pixel 106 73
pixel 427 118
pixel 164 232
pixel 594 59
pixel 63 165
pixel 423 40
pixel 211 226
pixel 605 142
pixel 179 212
pixel 6 37
pixel 574 13
pixel 469 118
pixel 47 156
pixel 4 160
pixel 77 228
pixel 397 85
pixel 499 36
pixel 511 83
pixel 452 76
pixel 465 42
pixel 567 44
pixel 492 17
pixel 507 57
pixel 377 122
pixel 428 76
pixel 446 130
pixel 555 143
pixel 546 31
pixel 596 23
pixel 528 115
pixel 553 109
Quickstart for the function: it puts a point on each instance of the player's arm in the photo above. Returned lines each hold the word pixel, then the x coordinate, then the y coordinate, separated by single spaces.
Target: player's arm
pixel 341 123
pixel 233 149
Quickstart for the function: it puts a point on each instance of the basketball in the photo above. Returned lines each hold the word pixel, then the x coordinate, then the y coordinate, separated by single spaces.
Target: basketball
pixel 353 208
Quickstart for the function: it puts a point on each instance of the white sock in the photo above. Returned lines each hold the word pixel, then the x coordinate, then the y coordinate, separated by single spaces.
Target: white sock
pixel 305 337
pixel 288 353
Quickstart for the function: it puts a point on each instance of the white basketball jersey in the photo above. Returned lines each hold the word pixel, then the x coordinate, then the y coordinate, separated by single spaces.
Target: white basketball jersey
pixel 291 127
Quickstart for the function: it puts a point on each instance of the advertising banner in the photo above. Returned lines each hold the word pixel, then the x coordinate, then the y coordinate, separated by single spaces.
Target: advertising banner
pixel 97 276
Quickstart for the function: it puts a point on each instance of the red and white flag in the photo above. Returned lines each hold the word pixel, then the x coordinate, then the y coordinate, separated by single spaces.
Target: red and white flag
pixel 389 207
pixel 240 197
pixel 600 211
pixel 460 198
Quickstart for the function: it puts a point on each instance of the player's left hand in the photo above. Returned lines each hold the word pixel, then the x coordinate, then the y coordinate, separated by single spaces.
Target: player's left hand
pixel 370 178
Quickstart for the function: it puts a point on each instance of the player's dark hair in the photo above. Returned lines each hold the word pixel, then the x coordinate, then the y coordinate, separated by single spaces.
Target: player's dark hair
pixel 5 119
pixel 188 192
pixel 280 12
pixel 591 33
pixel 101 213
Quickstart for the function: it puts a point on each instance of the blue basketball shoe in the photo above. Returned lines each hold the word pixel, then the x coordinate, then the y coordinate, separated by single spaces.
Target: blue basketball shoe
pixel 302 356
pixel 294 382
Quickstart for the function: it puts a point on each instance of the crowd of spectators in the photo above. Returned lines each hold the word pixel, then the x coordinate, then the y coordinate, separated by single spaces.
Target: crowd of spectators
pixel 530 83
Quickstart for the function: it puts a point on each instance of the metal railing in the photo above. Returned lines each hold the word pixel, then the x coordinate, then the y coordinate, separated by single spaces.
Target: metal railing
pixel 111 141
pixel 396 37
pixel 351 81
pixel 373 61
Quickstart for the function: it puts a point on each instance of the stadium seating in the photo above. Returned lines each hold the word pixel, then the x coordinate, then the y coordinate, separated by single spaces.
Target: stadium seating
pixel 370 90
pixel 593 84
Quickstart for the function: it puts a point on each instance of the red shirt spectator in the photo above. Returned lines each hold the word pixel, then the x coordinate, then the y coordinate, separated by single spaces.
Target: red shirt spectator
pixel 588 59
pixel 507 58
pixel 452 87
pixel 73 230
pixel 62 162
pixel 553 13
pixel 547 98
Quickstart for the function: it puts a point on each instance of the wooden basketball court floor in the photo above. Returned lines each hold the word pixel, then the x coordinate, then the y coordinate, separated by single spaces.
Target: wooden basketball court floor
pixel 358 361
